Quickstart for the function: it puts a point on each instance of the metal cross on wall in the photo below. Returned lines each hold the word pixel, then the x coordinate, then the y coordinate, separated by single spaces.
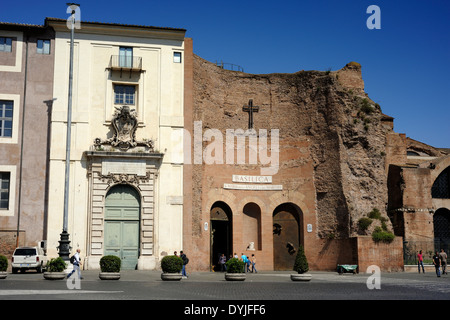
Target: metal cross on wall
pixel 250 108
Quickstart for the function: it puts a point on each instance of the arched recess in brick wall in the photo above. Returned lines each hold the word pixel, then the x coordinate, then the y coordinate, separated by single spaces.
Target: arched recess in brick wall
pixel 287 226
pixel 252 225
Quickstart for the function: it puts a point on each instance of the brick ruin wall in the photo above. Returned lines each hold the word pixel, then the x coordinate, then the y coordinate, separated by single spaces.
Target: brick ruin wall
pixel 331 109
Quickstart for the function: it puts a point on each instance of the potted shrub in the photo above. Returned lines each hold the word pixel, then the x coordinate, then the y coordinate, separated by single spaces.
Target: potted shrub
pixel 171 267
pixel 55 269
pixel 235 270
pixel 301 266
pixel 3 267
pixel 110 268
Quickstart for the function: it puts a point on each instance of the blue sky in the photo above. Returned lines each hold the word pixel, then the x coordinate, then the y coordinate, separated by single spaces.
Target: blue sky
pixel 405 64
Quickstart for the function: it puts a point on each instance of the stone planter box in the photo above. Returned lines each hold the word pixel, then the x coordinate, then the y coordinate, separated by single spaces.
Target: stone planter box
pixel 301 277
pixel 171 276
pixel 3 274
pixel 55 275
pixel 235 276
pixel 109 275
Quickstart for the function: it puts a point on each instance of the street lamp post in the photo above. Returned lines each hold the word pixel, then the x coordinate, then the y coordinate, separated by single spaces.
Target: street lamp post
pixel 64 242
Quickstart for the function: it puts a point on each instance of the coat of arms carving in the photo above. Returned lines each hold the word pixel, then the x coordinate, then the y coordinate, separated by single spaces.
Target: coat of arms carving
pixel 124 123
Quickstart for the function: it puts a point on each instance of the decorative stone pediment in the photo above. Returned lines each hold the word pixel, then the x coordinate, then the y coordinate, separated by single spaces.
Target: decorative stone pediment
pixel 124 124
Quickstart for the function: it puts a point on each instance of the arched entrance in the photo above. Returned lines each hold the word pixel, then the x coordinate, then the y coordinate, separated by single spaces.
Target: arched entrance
pixel 122 214
pixel 441 224
pixel 287 221
pixel 221 232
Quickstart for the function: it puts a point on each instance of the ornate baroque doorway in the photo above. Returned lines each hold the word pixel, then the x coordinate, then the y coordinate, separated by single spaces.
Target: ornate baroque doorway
pixel 122 216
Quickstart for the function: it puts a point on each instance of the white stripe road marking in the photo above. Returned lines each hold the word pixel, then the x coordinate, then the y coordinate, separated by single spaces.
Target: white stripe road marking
pixel 26 292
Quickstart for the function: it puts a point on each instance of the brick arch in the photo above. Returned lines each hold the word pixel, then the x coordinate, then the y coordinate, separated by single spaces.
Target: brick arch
pixel 227 198
pixel 294 199
pixel 439 166
pixel 249 199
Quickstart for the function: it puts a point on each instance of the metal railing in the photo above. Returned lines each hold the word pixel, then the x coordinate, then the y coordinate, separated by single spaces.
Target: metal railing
pixel 125 63
pixel 412 247
pixel 229 66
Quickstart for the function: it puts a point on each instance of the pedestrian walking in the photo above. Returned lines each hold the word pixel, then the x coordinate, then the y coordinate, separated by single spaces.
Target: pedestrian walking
pixel 420 261
pixel 443 256
pixel 76 261
pixel 185 262
pixel 437 263
pixel 244 259
pixel 254 264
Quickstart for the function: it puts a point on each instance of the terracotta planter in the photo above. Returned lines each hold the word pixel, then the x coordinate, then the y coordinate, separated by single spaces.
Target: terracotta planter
pixel 301 277
pixel 235 276
pixel 55 275
pixel 171 276
pixel 109 275
pixel 3 274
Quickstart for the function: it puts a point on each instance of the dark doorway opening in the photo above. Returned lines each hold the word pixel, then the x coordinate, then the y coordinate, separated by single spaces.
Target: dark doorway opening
pixel 221 233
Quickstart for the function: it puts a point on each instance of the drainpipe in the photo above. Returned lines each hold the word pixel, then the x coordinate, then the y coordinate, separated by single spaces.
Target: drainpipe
pixel 22 140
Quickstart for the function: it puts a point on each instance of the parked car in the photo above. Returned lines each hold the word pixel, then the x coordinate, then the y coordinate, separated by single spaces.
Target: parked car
pixel 25 258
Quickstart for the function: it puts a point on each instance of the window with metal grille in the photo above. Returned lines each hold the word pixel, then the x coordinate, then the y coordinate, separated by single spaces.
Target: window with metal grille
pixel 440 187
pixel 6 118
pixel 4 190
pixel 124 94
pixel 43 46
pixel 5 44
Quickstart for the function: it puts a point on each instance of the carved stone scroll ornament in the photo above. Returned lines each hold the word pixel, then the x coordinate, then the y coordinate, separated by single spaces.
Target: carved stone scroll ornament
pixel 112 178
pixel 124 123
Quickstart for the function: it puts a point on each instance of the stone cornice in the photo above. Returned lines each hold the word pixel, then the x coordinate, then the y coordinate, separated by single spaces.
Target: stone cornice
pixel 120 29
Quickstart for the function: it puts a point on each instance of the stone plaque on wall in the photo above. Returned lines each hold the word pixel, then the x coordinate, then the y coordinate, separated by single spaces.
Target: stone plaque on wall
pixel 255 187
pixel 127 166
pixel 251 179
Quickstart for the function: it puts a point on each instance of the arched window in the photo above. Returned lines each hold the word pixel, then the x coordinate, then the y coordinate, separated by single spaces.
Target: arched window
pixel 440 187
pixel 412 153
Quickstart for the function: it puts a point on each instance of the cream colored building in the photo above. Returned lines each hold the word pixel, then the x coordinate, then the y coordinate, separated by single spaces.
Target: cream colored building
pixel 126 173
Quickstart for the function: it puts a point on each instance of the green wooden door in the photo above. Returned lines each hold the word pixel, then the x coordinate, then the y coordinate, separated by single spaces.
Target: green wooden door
pixel 122 210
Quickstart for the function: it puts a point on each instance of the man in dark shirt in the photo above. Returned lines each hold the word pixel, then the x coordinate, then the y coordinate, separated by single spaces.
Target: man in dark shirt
pixel 437 263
